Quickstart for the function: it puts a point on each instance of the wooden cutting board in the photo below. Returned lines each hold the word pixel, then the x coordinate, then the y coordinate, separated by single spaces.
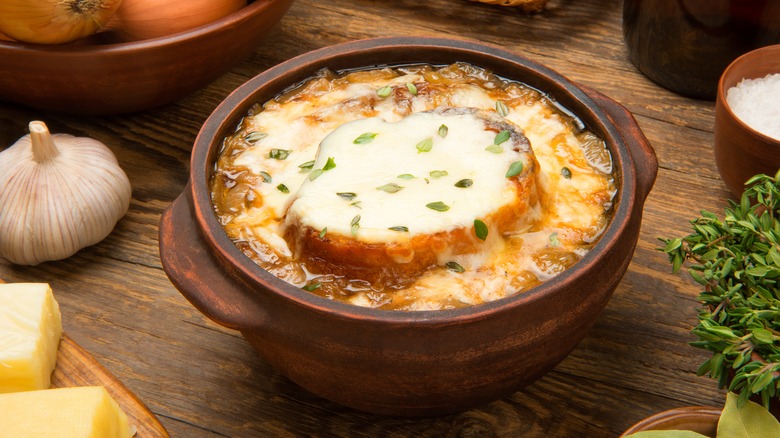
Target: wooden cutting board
pixel 76 367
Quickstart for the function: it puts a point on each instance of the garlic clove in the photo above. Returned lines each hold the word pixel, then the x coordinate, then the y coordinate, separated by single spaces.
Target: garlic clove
pixel 58 194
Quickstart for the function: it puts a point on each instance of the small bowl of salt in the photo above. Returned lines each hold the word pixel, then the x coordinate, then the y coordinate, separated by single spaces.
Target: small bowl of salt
pixel 747 118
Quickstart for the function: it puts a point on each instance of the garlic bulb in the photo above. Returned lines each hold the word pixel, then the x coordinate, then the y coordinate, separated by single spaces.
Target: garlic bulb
pixel 54 21
pixel 58 194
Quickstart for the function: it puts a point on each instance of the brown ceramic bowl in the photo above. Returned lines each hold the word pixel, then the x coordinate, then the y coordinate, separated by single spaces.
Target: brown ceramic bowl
pixel 741 151
pixel 99 78
pixel 700 419
pixel 393 362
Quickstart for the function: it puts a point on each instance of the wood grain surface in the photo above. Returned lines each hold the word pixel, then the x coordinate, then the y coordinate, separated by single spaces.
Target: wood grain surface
pixel 202 380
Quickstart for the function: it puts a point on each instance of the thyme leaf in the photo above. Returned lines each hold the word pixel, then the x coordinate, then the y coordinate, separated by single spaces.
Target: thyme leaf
pixel 390 188
pixel 501 137
pixel 307 166
pixel 514 169
pixel 464 183
pixel 480 229
pixel 412 88
pixel 455 267
pixel 425 145
pixel 438 206
pixel 384 91
pixel 355 225
pixel 443 130
pixel 496 149
pixel 399 228
pixel 279 154
pixel 365 137
pixel 501 108
pixel 347 195
pixel 255 136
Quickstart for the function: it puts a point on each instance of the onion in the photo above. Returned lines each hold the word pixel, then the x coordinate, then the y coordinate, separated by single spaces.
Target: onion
pixel 54 21
pixel 146 19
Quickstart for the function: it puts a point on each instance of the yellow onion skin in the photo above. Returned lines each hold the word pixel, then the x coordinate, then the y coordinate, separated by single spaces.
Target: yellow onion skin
pixel 54 21
pixel 147 19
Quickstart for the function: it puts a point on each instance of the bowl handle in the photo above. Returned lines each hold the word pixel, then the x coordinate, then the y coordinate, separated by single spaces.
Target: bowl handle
pixel 639 147
pixel 194 271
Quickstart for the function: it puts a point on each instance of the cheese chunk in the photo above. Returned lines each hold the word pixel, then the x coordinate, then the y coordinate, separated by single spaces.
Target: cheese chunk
pixel 81 412
pixel 30 331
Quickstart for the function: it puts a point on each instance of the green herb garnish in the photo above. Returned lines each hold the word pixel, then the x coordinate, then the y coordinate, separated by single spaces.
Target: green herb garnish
pixel 282 188
pixel 438 206
pixel 737 261
pixel 455 267
pixel 412 89
pixel 480 229
pixel 501 137
pixel 496 149
pixel 365 137
pixel 307 166
pixel 312 286
pixel 390 188
pixel 315 174
pixel 330 164
pixel 464 183
pixel 566 172
pixel 323 232
pixel 554 242
pixel 438 173
pixel 347 195
pixel 443 130
pixel 425 145
pixel 406 176
pixel 355 225
pixel 266 176
pixel 514 169
pixel 399 228
pixel 279 154
pixel 254 136
pixel 384 91
pixel 501 108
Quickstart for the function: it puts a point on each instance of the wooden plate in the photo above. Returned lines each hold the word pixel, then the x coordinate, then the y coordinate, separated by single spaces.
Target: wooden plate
pixel 76 367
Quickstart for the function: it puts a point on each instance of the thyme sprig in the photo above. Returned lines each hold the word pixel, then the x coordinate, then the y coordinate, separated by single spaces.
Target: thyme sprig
pixel 737 260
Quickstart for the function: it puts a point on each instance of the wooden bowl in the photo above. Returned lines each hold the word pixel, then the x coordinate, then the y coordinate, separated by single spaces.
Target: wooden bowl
pixel 700 419
pixel 98 78
pixel 741 151
pixel 394 362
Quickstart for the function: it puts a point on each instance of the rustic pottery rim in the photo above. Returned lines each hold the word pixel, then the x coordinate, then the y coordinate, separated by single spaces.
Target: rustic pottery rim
pixel 705 414
pixel 227 114
pixel 726 82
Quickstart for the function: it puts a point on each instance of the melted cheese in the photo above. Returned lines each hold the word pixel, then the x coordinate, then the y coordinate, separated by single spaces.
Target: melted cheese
pixel 255 190
pixel 389 183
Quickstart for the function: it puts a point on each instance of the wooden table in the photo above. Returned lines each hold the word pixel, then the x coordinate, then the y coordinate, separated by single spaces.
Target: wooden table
pixel 205 381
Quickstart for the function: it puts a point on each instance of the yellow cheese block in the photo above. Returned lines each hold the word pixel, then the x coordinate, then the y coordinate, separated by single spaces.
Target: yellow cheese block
pixel 83 412
pixel 30 331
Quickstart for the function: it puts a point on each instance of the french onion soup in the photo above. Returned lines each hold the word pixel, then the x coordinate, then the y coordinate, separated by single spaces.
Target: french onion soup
pixel 413 188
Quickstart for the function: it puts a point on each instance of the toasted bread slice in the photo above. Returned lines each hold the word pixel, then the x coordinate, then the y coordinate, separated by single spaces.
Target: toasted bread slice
pixel 387 201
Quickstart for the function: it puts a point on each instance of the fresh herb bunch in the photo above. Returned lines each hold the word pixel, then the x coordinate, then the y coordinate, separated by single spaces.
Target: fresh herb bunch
pixel 737 260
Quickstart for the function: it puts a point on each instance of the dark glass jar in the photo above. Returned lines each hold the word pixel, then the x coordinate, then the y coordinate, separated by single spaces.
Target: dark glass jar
pixel 684 45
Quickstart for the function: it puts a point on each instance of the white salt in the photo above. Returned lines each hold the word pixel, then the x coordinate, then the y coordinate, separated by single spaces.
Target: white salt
pixel 757 103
